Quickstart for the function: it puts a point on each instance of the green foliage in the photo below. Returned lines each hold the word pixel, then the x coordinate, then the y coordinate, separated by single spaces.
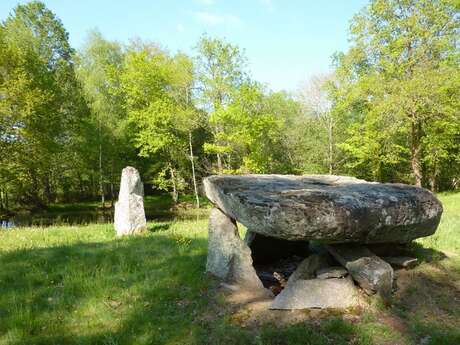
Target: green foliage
pixel 41 104
pixel 158 100
pixel 252 129
pixel 221 69
pixel 397 86
pixel 106 141
pixel 69 122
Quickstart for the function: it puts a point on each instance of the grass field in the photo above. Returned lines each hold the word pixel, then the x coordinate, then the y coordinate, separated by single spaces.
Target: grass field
pixel 81 285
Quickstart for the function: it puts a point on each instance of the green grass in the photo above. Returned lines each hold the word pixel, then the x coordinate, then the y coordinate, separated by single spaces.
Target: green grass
pixel 447 237
pixel 81 285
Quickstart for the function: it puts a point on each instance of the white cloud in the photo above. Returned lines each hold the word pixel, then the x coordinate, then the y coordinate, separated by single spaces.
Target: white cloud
pixel 180 27
pixel 268 4
pixel 206 2
pixel 213 19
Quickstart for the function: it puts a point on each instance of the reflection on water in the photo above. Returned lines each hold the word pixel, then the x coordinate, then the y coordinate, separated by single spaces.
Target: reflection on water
pixel 82 218
pixel 7 224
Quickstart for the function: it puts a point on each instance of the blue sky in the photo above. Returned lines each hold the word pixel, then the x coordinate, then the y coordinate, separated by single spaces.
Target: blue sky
pixel 286 42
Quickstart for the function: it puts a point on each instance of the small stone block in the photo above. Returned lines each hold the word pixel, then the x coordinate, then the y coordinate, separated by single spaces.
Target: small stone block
pixel 331 272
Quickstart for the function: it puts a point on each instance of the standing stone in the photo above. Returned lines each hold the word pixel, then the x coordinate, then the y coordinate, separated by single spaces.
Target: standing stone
pixel 129 209
pixel 229 258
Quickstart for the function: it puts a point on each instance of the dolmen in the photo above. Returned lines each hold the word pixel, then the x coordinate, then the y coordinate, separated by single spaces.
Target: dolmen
pixel 129 209
pixel 313 236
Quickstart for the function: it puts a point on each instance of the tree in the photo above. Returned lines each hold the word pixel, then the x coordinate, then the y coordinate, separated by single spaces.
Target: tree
pixel 99 63
pixel 395 81
pixel 41 102
pixel 188 117
pixel 158 91
pixel 316 102
pixel 220 73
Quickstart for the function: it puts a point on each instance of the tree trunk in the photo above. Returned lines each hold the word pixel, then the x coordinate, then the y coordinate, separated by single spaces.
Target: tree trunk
pixel 416 152
pixel 112 193
pixel 193 169
pixel 175 195
pixel 434 177
pixel 219 163
pixel 101 185
pixel 433 186
pixel 47 189
pixel 331 144
pixel 34 195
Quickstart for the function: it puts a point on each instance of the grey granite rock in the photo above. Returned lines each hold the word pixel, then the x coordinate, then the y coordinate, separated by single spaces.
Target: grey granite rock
pixel 331 272
pixel 372 273
pixel 129 209
pixel 317 293
pixel 333 209
pixel 308 267
pixel 229 258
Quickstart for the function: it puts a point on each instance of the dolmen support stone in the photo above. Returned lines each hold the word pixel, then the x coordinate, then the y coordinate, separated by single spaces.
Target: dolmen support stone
pixel 229 258
pixel 129 209
pixel 342 214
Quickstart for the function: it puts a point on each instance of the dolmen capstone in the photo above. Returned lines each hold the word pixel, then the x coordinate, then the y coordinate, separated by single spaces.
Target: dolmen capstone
pixel 341 215
pixel 129 209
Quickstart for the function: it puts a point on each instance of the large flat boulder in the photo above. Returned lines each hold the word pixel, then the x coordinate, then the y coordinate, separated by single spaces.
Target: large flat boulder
pixel 317 293
pixel 332 209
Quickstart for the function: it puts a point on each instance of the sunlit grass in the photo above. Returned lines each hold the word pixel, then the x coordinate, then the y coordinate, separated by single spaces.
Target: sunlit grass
pixel 82 285
pixel 447 237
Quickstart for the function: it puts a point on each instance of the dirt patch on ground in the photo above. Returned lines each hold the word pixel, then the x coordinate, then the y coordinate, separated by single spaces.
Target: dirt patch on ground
pixel 426 300
pixel 251 309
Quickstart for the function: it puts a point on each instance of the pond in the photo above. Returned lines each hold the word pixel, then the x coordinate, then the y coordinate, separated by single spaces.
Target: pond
pixel 44 219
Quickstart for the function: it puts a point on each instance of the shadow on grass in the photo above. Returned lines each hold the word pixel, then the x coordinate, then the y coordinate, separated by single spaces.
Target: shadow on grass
pixel 137 290
pixel 424 254
pixel 156 227
pixel 152 290
pixel 428 302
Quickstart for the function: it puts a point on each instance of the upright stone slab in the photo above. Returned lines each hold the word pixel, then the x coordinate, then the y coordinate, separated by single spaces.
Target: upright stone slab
pixel 372 273
pixel 129 209
pixel 229 258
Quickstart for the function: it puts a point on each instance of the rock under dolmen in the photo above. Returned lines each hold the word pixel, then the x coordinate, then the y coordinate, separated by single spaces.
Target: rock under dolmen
pixel 129 209
pixel 228 256
pixel 285 215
